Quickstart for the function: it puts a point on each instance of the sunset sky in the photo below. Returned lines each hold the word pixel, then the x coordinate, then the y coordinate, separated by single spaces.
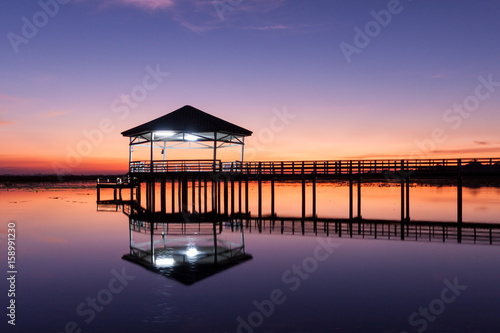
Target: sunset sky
pixel 328 79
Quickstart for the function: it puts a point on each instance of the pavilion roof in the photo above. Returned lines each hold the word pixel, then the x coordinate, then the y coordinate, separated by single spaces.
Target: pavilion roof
pixel 188 119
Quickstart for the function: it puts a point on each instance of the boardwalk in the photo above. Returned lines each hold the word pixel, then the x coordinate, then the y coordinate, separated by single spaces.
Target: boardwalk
pixel 336 168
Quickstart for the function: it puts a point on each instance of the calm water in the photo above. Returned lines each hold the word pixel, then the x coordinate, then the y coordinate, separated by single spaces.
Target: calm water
pixel 71 275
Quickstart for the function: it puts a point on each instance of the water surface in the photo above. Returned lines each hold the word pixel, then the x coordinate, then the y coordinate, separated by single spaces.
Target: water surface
pixel 68 253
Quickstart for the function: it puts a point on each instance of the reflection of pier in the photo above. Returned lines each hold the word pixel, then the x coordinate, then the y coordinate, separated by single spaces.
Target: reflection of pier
pixel 184 247
pixel 477 233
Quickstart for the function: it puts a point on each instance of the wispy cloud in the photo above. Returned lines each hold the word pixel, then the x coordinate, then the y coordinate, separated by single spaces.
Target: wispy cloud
pixel 270 27
pixel 144 4
pixel 5 122
pixel 482 143
pixel 474 151
pixel 202 15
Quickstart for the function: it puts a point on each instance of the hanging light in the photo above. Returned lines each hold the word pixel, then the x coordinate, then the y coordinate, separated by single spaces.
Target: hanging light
pixel 190 137
pixel 164 133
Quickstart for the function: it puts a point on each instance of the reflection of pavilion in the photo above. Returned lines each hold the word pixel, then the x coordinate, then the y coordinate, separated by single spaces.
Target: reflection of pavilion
pixel 185 248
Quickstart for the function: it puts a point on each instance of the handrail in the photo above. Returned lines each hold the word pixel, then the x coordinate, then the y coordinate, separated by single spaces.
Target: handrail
pixel 327 167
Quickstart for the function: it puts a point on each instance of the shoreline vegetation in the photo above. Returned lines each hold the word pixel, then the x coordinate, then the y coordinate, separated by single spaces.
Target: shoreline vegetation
pixel 66 181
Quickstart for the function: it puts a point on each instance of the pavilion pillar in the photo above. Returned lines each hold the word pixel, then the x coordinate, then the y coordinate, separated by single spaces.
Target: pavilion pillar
pixel 152 147
pixel 131 149
pixel 215 151
pixel 242 152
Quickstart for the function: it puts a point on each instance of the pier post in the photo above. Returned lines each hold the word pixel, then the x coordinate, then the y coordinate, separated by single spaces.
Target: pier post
pixel 172 183
pixel 402 192
pixel 350 199
pixel 205 199
pixel 214 196
pixel 218 196
pixel 272 197
pixel 138 193
pixel 246 195
pixel 260 197
pixel 184 195
pixel 163 195
pixel 407 199
pixel 179 195
pixel 459 201
pixel 359 189
pixel 350 193
pixel 232 196
pixel 314 198
pixel 200 207
pixel 226 198
pixel 303 199
pixel 193 194
pixel 239 196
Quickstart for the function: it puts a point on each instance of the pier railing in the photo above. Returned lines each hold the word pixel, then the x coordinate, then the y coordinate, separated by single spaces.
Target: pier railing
pixel 339 167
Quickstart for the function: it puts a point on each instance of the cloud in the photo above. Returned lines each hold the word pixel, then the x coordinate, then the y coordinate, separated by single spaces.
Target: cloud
pixel 205 15
pixel 146 4
pixel 5 122
pixel 481 143
pixel 493 150
pixel 270 27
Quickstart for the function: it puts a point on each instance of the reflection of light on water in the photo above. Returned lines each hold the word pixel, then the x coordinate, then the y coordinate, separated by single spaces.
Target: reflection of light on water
pixel 164 262
pixel 192 252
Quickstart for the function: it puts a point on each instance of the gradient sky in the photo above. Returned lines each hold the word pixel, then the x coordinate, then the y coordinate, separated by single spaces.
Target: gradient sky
pixel 397 94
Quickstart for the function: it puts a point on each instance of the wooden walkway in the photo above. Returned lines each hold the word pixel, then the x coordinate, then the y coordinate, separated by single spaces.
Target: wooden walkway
pixel 404 168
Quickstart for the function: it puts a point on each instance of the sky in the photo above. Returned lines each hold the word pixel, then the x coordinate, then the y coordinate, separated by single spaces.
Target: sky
pixel 313 80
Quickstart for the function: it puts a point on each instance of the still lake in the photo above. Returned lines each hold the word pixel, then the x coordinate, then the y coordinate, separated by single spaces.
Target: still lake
pixel 71 276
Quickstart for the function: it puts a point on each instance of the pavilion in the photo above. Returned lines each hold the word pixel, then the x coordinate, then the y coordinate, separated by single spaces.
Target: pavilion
pixel 184 128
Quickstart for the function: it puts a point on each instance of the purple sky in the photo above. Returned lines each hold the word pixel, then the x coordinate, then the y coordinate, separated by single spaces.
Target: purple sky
pixel 312 79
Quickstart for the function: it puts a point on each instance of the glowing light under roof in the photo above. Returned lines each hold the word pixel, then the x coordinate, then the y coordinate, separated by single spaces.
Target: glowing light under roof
pixel 190 137
pixel 165 133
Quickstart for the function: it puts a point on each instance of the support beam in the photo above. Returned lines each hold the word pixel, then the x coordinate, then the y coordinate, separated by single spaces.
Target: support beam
pixel 260 197
pixel 173 194
pixel 459 201
pixel 303 199
pixel 163 195
pixel 314 214
pixel 359 196
pixel 273 210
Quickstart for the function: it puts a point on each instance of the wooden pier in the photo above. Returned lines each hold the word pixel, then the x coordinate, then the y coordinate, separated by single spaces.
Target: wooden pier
pixel 190 182
pixel 208 187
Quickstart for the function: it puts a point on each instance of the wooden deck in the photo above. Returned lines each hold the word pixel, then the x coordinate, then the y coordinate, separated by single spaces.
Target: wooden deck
pixel 328 169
